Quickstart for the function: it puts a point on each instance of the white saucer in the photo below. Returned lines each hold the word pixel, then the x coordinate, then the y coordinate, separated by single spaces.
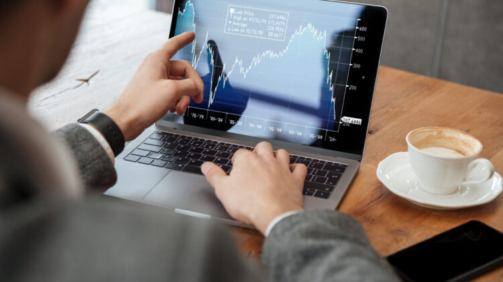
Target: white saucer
pixel 396 174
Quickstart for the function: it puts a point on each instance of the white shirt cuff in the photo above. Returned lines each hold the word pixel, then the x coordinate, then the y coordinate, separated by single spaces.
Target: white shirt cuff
pixel 277 220
pixel 103 142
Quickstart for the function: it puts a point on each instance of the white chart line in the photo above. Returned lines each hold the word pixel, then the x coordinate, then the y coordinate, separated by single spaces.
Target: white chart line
pixel 256 60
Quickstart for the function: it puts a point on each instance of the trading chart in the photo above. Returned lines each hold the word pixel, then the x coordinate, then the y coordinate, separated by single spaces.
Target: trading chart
pixel 270 71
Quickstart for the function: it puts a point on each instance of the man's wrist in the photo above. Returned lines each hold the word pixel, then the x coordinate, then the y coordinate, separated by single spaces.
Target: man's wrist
pixel 263 221
pixel 123 123
pixel 277 220
pixel 108 129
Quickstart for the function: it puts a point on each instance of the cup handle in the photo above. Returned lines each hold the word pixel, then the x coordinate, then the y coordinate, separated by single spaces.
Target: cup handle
pixel 488 168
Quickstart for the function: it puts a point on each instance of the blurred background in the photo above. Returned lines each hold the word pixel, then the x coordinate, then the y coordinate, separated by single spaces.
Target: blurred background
pixel 455 40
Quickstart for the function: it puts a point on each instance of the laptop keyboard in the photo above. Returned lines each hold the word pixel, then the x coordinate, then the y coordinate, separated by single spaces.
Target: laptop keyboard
pixel 186 153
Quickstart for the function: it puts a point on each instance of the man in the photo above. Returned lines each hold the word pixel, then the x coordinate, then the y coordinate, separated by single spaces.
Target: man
pixel 57 227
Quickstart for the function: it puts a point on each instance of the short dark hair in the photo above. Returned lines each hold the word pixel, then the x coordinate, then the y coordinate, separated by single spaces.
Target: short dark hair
pixel 7 4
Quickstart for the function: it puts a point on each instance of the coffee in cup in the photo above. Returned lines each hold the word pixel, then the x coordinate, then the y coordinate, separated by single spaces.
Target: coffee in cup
pixel 443 159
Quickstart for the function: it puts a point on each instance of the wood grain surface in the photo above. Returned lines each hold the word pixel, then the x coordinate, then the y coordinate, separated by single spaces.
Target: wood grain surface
pixel 116 37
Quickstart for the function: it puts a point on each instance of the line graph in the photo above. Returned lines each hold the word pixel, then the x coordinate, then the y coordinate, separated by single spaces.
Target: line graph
pixel 305 44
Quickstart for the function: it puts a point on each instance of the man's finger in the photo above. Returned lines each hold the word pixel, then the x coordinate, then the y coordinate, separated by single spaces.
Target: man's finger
pixel 184 69
pixel 185 87
pixel 239 153
pixel 299 172
pixel 175 44
pixel 264 149
pixel 213 173
pixel 182 105
pixel 283 157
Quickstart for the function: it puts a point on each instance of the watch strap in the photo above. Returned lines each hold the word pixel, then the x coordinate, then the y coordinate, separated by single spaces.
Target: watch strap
pixel 108 128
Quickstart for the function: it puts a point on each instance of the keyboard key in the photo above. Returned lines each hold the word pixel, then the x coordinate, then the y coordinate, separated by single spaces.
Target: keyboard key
pixel 293 159
pixel 196 162
pixel 319 172
pixel 159 163
pixel 168 158
pixel 332 182
pixel 232 149
pixel 335 168
pixel 310 170
pixel 131 158
pixel 323 195
pixel 221 161
pixel 194 156
pixel 155 156
pixel 316 165
pixel 196 143
pixel 319 187
pixel 319 179
pixel 309 177
pixel 222 148
pixel 171 139
pixel 209 152
pixel 182 161
pixel 192 169
pixel 170 145
pixel 208 146
pixel 174 166
pixel 205 158
pixel 333 178
pixel 224 155
pixel 167 151
pixel 140 153
pixel 156 136
pixel 227 168
pixel 150 148
pixel 334 175
pixel 181 154
pixel 154 142
pixel 145 161
pixel 183 141
pixel 196 150
pixel 183 148
pixel 308 192
pixel 299 161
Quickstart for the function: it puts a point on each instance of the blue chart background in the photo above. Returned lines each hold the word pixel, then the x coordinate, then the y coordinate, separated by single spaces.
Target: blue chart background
pixel 300 81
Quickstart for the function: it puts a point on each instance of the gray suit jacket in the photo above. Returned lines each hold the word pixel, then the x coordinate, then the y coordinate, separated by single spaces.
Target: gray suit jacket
pixel 50 234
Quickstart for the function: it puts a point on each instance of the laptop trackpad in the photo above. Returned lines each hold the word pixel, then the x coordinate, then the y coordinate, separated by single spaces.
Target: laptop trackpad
pixel 186 191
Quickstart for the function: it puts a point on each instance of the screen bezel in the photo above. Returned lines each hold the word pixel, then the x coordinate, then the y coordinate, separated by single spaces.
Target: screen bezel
pixel 381 17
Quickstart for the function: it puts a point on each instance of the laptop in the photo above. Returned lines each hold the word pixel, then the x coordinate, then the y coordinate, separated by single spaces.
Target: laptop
pixel 298 74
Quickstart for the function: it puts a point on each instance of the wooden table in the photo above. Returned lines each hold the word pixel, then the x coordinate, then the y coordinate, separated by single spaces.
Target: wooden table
pixel 117 37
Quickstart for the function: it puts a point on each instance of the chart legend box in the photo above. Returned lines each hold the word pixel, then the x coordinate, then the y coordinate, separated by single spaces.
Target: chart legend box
pixel 253 22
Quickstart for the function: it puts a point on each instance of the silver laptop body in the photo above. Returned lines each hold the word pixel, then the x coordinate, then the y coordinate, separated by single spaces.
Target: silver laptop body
pixel 148 171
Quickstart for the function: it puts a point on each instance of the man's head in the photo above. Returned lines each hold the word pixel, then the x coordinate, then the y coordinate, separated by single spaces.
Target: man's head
pixel 36 37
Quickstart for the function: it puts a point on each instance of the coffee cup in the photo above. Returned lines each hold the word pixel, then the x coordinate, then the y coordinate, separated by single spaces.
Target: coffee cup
pixel 444 158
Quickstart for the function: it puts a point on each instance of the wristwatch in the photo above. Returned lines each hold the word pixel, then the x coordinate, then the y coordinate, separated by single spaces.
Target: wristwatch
pixel 108 128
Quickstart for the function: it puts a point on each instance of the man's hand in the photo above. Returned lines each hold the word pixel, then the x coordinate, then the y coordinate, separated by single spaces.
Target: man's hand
pixel 160 85
pixel 261 186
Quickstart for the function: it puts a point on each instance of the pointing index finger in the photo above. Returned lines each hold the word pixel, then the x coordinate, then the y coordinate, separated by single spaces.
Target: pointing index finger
pixel 176 43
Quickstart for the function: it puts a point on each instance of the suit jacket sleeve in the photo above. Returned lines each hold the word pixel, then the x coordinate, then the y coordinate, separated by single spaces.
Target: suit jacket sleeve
pixel 96 168
pixel 322 246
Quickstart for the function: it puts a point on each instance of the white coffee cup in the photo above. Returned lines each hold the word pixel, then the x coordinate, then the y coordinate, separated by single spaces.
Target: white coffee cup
pixel 443 159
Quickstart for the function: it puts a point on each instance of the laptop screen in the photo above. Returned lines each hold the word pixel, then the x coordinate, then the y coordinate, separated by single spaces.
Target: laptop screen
pixel 296 71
